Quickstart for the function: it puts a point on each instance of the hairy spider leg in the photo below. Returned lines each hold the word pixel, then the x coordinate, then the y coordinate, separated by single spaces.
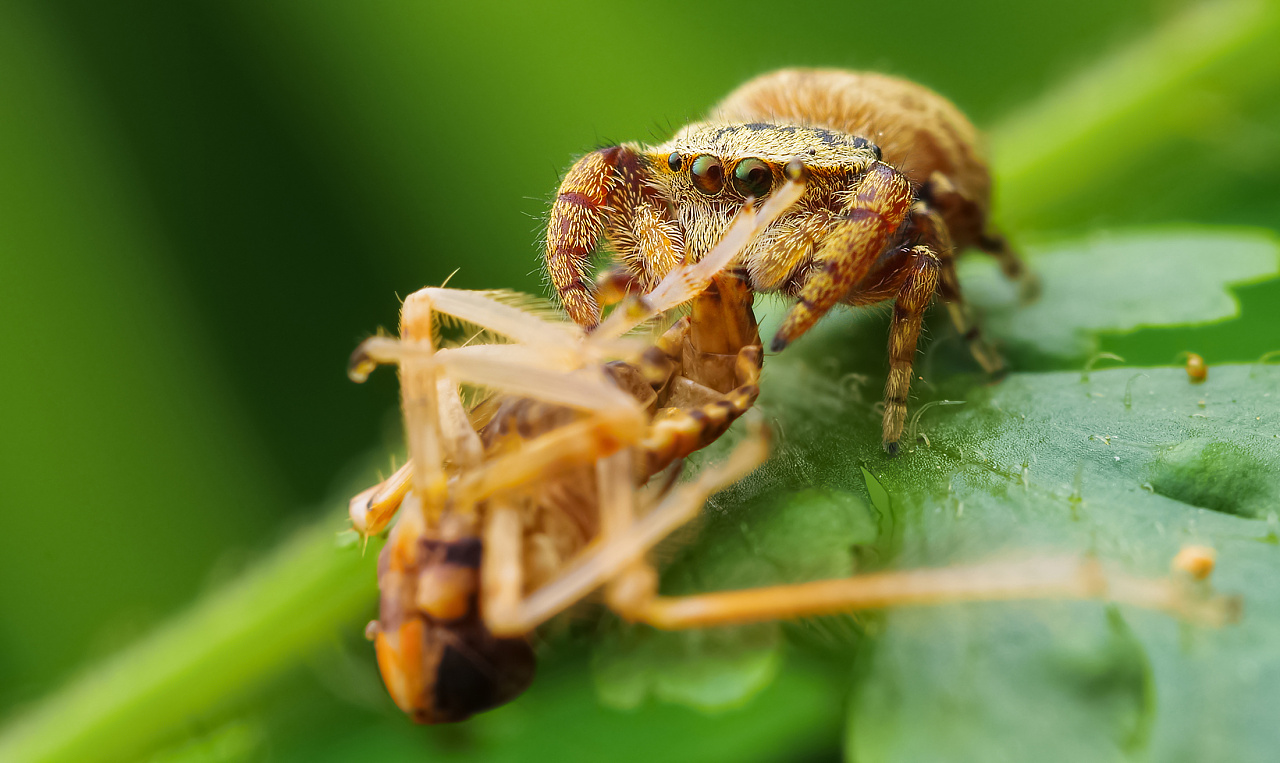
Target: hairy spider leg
pixel 912 300
pixel 932 230
pixel 605 194
pixel 909 276
pixel 968 222
pixel 874 211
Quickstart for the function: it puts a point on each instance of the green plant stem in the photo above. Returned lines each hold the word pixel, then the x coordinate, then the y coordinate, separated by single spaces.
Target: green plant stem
pixel 227 643
pixel 277 613
pixel 1130 105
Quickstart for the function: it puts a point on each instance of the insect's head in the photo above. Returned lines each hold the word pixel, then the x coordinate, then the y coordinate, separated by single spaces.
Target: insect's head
pixel 437 659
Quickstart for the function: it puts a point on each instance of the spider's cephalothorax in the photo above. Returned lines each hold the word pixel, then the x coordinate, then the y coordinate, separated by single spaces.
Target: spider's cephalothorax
pixel 895 186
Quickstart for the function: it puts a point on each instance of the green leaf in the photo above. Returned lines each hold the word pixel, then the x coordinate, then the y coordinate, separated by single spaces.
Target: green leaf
pixel 721 667
pixel 1115 141
pixel 1119 283
pixel 1128 466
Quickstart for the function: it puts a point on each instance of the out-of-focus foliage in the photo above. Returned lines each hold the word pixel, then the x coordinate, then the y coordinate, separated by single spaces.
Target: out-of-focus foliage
pixel 1127 464
pixel 204 206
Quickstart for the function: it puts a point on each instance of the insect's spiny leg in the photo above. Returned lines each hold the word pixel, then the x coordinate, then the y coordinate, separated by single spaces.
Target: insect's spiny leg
pixel 624 551
pixel 908 310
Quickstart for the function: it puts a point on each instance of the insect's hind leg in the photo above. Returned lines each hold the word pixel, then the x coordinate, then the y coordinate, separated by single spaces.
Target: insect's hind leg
pixel 619 559
pixel 1064 577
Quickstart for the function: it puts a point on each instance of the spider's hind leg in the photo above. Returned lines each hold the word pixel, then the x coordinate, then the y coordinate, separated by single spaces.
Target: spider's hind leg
pixel 933 233
pixel 972 227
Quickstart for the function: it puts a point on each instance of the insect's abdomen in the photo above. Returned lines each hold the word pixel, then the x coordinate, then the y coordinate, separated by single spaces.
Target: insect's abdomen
pixel 918 131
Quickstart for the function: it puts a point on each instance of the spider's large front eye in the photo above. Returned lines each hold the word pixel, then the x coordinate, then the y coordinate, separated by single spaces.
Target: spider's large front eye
pixel 708 174
pixel 752 177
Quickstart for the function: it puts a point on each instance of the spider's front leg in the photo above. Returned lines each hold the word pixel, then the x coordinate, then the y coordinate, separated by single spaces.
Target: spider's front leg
pixel 606 193
pixel 875 210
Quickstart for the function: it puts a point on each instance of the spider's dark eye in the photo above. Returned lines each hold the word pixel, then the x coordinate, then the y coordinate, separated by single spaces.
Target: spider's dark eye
pixel 752 177
pixel 708 174
pixel 674 160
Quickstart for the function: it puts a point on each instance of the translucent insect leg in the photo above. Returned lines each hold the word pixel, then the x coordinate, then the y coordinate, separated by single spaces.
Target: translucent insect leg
pixel 596 436
pixel 688 280
pixel 448 434
pixel 875 210
pixel 371 510
pixel 624 550
pixel 1057 577
pixel 557 344
pixel 502 569
pixel 613 418
pixel 419 394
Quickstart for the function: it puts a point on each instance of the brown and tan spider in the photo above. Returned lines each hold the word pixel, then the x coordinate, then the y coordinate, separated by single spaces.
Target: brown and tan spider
pixel 896 186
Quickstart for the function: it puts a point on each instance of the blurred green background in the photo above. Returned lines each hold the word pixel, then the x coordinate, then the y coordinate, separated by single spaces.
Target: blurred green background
pixel 204 206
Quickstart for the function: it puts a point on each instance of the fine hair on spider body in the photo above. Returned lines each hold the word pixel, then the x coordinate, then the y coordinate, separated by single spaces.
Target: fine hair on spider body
pixel 896 186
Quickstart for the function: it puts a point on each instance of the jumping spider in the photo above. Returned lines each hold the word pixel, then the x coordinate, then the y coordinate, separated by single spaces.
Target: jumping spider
pixel 896 185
